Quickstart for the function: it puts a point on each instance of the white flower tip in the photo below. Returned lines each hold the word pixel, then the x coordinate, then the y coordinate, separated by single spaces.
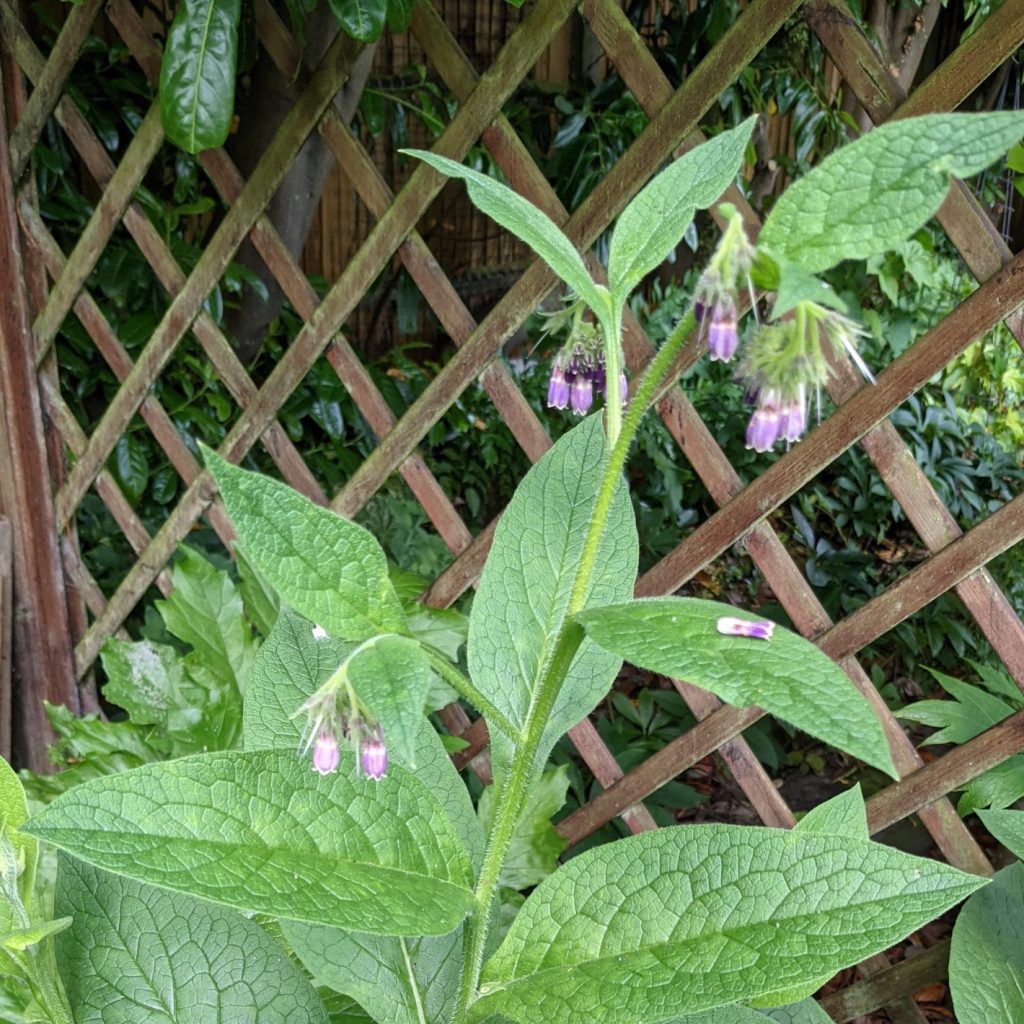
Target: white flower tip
pixel 319 633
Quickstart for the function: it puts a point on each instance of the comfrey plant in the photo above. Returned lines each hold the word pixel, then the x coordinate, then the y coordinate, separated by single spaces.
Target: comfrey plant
pixel 343 824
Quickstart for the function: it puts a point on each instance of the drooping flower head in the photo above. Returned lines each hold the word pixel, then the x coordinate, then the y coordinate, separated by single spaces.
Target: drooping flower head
pixel 335 714
pixel 716 298
pixel 785 362
pixel 577 371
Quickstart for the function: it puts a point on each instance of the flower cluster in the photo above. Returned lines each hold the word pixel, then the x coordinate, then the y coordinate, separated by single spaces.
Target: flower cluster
pixel 578 371
pixel 334 714
pixel 784 362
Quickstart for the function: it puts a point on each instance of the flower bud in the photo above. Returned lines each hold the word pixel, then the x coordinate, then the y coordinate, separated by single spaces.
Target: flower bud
pixel 723 335
pixel 325 753
pixel 792 421
pixel 623 387
pixel 558 388
pixel 744 627
pixel 582 395
pixel 375 758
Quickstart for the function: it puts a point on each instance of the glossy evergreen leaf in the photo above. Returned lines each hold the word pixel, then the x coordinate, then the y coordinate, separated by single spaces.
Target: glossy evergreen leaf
pixel 326 567
pixel 361 19
pixel 692 917
pixel 872 194
pixel 986 957
pixel 525 221
pixel 391 676
pixel 787 675
pixel 524 591
pixel 1007 827
pixel 289 667
pixel 843 815
pixel 140 954
pixel 261 831
pixel 197 77
pixel 406 981
pixel 535 848
pixel 399 14
pixel 652 225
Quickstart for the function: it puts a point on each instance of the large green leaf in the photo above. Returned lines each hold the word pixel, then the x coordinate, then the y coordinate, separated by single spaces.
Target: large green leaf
pixel 986 958
pixel 290 665
pixel 260 831
pixel 406 981
pixel 23 847
pixel 997 788
pixel 391 676
pixel 688 918
pixel 526 584
pixel 877 191
pixel 657 218
pixel 361 19
pixel 786 675
pixel 141 954
pixel 807 1011
pixel 197 78
pixel 843 815
pixel 1007 827
pixel 326 567
pixel 525 221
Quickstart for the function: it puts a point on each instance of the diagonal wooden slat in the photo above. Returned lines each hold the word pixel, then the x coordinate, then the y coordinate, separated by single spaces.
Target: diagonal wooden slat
pixel 276 441
pixel 50 84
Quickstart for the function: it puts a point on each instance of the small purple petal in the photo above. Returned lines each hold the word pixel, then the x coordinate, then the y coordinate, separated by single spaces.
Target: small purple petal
pixel 558 389
pixel 326 754
pixel 699 309
pixel 623 387
pixel 792 421
pixel 375 758
pixel 744 627
pixel 582 395
pixel 763 429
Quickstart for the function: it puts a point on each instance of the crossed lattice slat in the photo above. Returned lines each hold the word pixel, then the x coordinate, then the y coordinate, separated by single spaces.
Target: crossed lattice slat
pixel 956 560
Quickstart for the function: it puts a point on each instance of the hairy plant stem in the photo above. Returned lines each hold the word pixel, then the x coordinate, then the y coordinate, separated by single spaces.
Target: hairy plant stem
pixel 511 795
pixel 450 674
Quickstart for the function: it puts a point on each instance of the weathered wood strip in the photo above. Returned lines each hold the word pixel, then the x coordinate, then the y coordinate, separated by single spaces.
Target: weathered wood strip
pixel 6 634
pixel 41 629
pixel 214 260
pixel 50 84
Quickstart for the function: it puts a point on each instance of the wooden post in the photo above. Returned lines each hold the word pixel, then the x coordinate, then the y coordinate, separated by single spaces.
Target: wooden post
pixel 43 666
pixel 6 615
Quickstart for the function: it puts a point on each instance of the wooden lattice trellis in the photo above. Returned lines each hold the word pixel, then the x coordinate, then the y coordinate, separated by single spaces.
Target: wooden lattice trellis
pixel 41 496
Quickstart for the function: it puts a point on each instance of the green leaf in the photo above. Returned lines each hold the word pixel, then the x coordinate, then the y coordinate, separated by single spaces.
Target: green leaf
pixel 137 953
pixel 692 917
pixel 796 285
pixel 289 667
pixel 968 714
pixel 653 223
pixel 361 19
pixel 391 676
pixel 326 567
pixel 787 675
pixel 205 611
pixel 986 957
pixel 525 221
pixel 132 466
pixel 22 938
pixel 525 586
pixel 535 848
pixel 394 976
pixel 807 1011
pixel 14 814
pixel 399 14
pixel 843 815
pixel 260 831
pixel 260 601
pixel 877 191
pixel 197 77
pixel 1007 827
pixel 998 787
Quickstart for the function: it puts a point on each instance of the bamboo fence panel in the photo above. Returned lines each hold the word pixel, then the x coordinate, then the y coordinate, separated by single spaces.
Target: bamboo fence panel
pixel 42 499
